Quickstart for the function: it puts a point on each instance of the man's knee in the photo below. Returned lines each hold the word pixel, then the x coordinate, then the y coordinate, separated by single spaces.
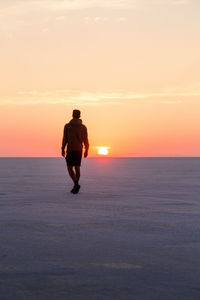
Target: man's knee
pixel 70 169
pixel 77 168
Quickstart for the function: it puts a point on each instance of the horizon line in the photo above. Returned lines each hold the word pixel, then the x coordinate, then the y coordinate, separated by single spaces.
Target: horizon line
pixel 104 157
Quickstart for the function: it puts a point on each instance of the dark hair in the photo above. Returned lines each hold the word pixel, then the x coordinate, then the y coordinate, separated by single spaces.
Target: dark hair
pixel 76 113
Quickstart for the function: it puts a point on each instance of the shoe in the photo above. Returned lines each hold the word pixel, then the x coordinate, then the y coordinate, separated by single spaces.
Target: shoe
pixel 72 191
pixel 75 189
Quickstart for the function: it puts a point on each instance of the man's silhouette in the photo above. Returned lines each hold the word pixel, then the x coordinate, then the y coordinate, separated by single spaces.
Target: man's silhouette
pixel 74 136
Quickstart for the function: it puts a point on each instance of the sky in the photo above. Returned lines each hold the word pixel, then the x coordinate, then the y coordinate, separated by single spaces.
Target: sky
pixel 131 66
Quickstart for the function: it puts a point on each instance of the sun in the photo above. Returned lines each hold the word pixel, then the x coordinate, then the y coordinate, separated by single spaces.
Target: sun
pixel 102 150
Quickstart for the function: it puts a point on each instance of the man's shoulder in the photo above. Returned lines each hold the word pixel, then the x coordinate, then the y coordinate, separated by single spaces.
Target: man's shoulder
pixel 83 127
pixel 66 125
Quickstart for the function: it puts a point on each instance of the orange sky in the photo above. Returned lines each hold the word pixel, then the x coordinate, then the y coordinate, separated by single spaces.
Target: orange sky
pixel 131 67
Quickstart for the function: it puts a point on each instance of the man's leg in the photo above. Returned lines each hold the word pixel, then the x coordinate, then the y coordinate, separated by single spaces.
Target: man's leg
pixel 77 173
pixel 72 173
pixel 76 188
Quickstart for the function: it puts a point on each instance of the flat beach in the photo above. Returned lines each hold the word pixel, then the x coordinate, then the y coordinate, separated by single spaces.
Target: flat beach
pixel 131 233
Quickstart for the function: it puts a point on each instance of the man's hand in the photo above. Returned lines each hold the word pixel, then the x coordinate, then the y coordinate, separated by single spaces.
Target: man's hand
pixel 86 153
pixel 63 152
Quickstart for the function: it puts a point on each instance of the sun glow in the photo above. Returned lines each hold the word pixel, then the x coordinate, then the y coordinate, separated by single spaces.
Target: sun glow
pixel 102 150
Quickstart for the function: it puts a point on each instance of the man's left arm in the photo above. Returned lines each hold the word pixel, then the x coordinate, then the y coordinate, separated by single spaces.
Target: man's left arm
pixel 86 142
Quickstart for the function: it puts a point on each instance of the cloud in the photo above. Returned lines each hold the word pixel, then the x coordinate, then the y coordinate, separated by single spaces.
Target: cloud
pixel 86 98
pixel 18 14
pixel 168 2
pixel 21 6
pixel 67 97
pixel 15 7
pixel 93 20
pixel 122 19
pixel 179 2
pixel 170 101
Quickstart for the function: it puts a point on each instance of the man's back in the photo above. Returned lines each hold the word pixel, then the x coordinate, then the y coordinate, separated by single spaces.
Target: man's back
pixel 75 135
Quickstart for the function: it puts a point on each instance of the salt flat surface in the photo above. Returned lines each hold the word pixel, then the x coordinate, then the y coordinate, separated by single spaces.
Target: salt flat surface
pixel 133 231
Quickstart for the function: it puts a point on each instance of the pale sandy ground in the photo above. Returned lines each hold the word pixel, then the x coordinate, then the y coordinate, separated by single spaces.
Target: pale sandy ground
pixel 133 232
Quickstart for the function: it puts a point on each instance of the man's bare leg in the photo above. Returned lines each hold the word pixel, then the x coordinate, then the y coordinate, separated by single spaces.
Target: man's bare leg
pixel 77 173
pixel 76 188
pixel 72 173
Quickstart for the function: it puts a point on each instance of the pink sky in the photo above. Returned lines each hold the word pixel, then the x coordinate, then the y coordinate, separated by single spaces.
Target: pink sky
pixel 131 67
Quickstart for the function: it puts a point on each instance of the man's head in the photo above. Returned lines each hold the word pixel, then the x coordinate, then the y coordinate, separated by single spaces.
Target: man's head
pixel 76 113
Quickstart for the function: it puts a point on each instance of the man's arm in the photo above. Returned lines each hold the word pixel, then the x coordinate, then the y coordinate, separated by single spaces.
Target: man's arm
pixel 86 142
pixel 64 141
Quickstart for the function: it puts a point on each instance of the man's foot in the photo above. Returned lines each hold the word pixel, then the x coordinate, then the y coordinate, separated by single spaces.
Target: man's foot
pixel 72 191
pixel 75 185
pixel 75 189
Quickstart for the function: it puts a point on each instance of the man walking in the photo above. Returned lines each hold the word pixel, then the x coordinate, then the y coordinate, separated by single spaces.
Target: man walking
pixel 74 136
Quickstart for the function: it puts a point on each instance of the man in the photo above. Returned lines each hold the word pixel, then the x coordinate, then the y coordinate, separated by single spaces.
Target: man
pixel 74 136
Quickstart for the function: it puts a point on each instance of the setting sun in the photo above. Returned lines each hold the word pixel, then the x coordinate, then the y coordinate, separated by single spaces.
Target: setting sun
pixel 102 150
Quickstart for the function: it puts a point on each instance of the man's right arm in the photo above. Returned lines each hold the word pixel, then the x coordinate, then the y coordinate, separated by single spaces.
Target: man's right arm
pixel 64 141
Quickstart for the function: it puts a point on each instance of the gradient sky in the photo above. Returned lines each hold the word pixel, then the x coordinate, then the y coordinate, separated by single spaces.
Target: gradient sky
pixel 131 66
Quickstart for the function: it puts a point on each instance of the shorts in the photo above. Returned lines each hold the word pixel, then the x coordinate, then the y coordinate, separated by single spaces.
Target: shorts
pixel 73 158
